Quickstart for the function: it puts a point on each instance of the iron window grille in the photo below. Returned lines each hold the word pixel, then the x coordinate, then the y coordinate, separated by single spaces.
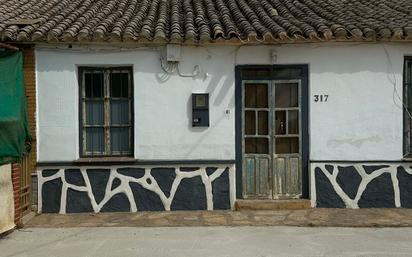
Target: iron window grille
pixel 106 122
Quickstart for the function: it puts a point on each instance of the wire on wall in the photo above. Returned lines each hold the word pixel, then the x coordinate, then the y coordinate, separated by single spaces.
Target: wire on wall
pixel 394 84
pixel 172 67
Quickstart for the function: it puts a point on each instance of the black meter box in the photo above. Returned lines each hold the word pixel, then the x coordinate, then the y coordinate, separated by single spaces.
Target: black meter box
pixel 200 110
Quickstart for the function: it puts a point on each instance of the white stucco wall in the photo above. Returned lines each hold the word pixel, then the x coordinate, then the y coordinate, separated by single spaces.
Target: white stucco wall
pixel 162 104
pixel 362 119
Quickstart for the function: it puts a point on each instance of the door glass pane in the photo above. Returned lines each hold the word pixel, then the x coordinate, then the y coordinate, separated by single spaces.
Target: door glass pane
pixel 256 145
pixel 94 84
pixel 262 96
pixel 287 145
pixel 250 145
pixel 286 95
pixel 119 84
pixel 280 122
pixel 250 123
pixel 95 140
pixel 94 112
pixel 288 72
pixel 255 73
pixel 262 146
pixel 119 139
pixel 250 96
pixel 256 96
pixel 263 128
pixel 119 112
pixel 293 122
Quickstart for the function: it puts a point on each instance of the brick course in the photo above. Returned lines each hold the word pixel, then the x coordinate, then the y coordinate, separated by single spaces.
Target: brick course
pixel 29 77
pixel 15 175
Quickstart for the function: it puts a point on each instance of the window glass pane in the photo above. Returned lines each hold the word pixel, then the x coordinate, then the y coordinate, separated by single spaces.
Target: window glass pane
pixel 263 128
pixel 293 122
pixel 95 140
pixel 119 84
pixel 407 73
pixel 286 95
pixel 119 111
pixel 119 139
pixel 287 145
pixel 94 112
pixel 94 84
pixel 256 145
pixel 280 122
pixel 250 123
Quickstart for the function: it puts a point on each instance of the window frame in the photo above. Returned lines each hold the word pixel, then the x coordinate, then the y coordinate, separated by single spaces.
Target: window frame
pixel 407 104
pixel 106 70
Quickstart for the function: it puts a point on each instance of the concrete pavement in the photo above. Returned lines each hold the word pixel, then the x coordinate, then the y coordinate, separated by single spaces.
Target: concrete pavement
pixel 207 241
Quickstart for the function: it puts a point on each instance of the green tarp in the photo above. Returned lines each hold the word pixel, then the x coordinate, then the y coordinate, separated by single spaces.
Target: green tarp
pixel 15 137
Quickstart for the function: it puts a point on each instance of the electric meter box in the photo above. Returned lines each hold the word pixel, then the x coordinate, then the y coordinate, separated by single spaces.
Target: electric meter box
pixel 200 110
pixel 173 53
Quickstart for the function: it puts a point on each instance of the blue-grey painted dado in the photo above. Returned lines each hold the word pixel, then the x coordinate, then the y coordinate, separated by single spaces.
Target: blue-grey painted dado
pixel 367 185
pixel 124 189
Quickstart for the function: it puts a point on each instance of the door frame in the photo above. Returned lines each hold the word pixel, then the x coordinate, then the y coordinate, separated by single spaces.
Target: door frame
pixel 274 75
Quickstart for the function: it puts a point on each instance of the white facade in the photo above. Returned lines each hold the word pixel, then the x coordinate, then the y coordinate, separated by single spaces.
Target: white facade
pixel 362 119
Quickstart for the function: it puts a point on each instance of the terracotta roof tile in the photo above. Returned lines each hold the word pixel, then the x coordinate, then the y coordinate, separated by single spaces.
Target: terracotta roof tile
pixel 200 21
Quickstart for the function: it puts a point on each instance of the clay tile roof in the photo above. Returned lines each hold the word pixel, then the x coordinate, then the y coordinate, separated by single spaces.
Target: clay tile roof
pixel 203 21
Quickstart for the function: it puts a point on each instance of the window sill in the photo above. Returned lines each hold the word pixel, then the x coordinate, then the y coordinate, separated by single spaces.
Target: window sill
pixel 105 160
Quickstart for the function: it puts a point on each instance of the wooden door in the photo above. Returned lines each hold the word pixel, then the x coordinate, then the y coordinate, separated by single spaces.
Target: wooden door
pixel 271 143
pixel 287 140
pixel 257 160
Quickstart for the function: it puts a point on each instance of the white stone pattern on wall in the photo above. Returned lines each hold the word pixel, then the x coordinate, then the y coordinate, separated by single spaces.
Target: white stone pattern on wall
pixel 124 187
pixel 366 178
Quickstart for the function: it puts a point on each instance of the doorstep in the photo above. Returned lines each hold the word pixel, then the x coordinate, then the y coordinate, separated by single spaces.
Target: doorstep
pixel 304 217
pixel 257 205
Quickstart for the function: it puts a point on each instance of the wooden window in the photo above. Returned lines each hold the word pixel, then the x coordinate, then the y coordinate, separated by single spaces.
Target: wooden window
pixel 107 111
pixel 407 104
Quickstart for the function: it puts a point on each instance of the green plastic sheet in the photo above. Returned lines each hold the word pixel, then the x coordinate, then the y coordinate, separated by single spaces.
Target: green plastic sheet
pixel 15 139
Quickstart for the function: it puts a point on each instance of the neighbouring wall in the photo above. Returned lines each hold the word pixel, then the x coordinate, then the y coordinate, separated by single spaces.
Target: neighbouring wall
pixel 6 199
pixel 362 119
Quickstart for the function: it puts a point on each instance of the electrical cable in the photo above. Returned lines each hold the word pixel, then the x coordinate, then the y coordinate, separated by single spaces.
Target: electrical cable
pixel 394 84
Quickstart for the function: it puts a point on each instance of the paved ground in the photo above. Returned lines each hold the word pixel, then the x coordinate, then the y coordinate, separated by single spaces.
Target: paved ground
pixel 207 241
pixel 307 217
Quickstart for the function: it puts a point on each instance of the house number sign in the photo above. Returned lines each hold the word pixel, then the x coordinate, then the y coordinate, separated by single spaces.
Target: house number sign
pixel 320 98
